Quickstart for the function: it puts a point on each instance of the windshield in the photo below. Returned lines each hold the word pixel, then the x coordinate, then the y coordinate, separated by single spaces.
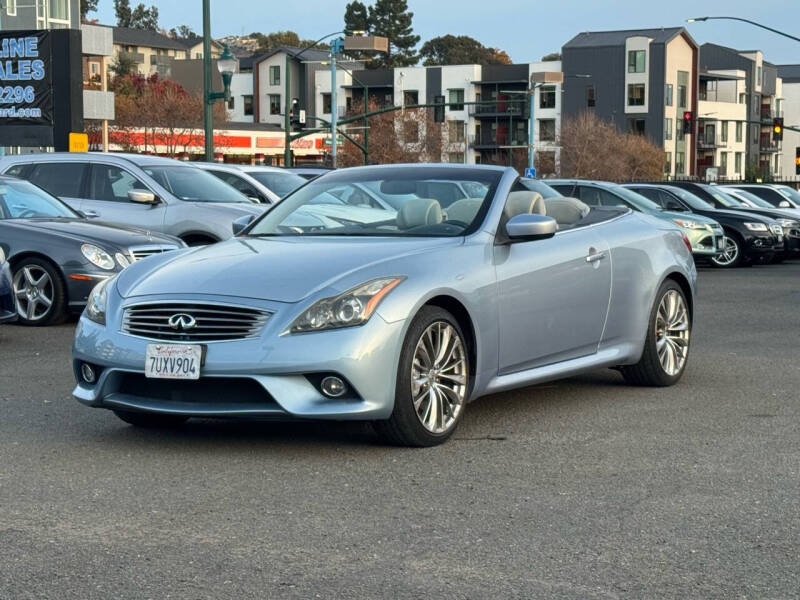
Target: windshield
pixel 341 204
pixel 194 185
pixel 789 193
pixel 638 201
pixel 23 200
pixel 693 201
pixel 726 200
pixel 753 199
pixel 541 187
pixel 277 183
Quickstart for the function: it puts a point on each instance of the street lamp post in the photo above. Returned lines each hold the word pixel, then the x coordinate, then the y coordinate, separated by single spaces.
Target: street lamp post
pixel 702 19
pixel 226 65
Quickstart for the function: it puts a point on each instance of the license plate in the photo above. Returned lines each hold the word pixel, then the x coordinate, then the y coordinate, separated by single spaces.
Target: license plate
pixel 173 361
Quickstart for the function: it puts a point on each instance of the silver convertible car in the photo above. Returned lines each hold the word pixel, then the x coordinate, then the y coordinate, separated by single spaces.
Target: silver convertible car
pixel 400 321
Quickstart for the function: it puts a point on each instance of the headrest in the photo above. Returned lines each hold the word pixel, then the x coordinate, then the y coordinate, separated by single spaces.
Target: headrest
pixel 464 210
pixel 566 211
pixel 418 212
pixel 524 203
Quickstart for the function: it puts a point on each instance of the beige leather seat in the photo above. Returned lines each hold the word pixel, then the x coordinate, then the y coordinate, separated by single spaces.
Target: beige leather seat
pixel 418 212
pixel 524 203
pixel 566 211
pixel 464 210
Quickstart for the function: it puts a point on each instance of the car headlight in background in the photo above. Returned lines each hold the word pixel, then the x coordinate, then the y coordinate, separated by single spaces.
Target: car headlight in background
pixel 756 226
pixel 2 256
pixel 786 223
pixel 353 307
pixel 96 306
pixel 689 224
pixel 121 260
pixel 98 256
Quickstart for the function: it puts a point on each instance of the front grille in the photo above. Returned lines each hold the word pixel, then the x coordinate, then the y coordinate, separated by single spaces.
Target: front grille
pixel 776 229
pixel 206 322
pixel 206 390
pixel 140 252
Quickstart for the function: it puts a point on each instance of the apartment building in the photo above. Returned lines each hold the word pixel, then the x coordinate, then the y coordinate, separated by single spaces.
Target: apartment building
pixel 762 97
pixel 39 14
pixel 721 132
pixel 641 80
pixel 790 79
pixel 152 52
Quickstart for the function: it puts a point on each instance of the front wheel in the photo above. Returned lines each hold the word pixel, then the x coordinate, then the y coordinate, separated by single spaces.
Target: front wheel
pixel 731 255
pixel 150 420
pixel 432 382
pixel 39 293
pixel 666 346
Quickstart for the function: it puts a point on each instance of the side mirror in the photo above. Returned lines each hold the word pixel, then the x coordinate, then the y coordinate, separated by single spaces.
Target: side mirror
pixel 528 227
pixel 142 197
pixel 675 206
pixel 241 224
pixel 254 199
pixel 784 204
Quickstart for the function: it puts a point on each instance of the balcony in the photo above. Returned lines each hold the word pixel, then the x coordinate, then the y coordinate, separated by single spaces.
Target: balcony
pixel 768 113
pixel 136 58
pixel 766 145
pixel 501 108
pixel 500 140
pixel 709 142
pixel 98 105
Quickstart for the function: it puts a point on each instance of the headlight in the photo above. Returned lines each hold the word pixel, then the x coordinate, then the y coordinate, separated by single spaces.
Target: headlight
pixel 121 260
pixel 96 306
pixel 98 256
pixel 686 223
pixel 2 256
pixel 756 226
pixel 353 307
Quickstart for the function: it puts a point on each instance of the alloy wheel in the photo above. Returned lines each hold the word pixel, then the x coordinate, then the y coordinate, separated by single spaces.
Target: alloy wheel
pixel 729 254
pixel 672 332
pixel 34 292
pixel 439 377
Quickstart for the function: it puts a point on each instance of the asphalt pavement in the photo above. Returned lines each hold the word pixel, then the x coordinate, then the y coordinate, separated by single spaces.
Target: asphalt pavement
pixel 584 488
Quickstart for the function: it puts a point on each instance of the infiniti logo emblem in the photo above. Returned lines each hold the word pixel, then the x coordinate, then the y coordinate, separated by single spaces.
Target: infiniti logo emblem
pixel 182 322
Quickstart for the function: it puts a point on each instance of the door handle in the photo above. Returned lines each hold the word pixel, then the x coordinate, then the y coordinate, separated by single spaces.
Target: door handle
pixel 595 256
pixel 91 213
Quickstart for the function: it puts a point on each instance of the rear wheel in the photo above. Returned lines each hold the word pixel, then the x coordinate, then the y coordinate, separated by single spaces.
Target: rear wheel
pixel 150 420
pixel 432 382
pixel 666 347
pixel 38 292
pixel 731 255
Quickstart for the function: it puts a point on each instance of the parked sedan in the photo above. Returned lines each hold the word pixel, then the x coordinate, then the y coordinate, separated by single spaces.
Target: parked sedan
pixel 704 234
pixel 401 323
pixel 8 310
pixel 261 184
pixel 749 238
pixel 156 194
pixel 57 256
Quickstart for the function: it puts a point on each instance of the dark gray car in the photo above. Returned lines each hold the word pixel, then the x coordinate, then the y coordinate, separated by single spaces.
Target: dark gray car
pixel 156 194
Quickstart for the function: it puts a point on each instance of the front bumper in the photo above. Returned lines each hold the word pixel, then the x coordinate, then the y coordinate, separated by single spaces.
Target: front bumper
pixel 705 242
pixel 81 282
pixel 266 376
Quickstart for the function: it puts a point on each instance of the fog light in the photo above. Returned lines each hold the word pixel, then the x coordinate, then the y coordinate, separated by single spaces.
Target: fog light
pixel 87 372
pixel 333 387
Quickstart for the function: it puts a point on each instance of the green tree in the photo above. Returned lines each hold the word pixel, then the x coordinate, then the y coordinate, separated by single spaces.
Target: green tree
pixel 122 8
pixel 392 19
pixel 459 50
pixel 551 56
pixel 123 65
pixel 356 17
pixel 282 38
pixel 137 18
pixel 87 6
pixel 183 32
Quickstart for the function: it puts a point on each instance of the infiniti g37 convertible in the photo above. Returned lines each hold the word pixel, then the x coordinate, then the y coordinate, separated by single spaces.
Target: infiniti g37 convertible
pixel 400 321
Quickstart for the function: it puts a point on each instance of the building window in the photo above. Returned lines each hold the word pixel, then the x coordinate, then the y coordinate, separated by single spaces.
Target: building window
pixel 547 130
pixel 679 166
pixel 738 131
pixel 635 94
pixel 636 126
pixel 547 96
pixel 759 76
pixel 455 157
pixel 410 132
pixel 456 99
pixel 668 163
pixel 679 135
pixel 668 129
pixel 326 104
pixel 231 103
pixel 590 98
pixel 410 97
pixel 724 126
pixel 59 10
pixel 636 61
pixel 455 131
pixel 756 105
pixel 11 8
pixel 737 162
pixel 742 98
pixel 682 98
pixel 248 105
pixel 275 75
pixel 274 104
pixel 723 163
pixel 198 55
pixel 668 94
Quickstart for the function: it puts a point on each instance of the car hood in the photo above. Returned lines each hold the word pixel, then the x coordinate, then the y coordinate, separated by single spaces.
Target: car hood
pixel 686 216
pixel 743 216
pixel 281 269
pixel 97 232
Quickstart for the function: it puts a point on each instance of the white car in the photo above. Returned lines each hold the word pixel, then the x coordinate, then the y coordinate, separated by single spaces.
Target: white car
pixel 261 184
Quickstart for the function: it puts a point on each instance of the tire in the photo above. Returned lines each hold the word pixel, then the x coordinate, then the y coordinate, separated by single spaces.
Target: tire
pixel 778 259
pixel 446 384
pixel 150 420
pixel 37 282
pixel 733 256
pixel 651 370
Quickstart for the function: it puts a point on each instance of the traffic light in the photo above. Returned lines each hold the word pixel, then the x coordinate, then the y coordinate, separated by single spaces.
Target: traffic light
pixel 777 129
pixel 687 122
pixel 294 113
pixel 438 110
pixel 797 160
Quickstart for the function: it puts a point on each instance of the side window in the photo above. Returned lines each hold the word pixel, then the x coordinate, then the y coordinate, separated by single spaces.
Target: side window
pixel 653 194
pixel 63 179
pixel 565 189
pixel 594 196
pixel 18 170
pixel 112 183
pixel 444 192
pixel 237 182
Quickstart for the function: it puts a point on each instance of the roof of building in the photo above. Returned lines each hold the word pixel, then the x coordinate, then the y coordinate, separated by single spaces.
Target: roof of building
pixel 789 73
pixel 144 37
pixel 594 39
pixel 293 51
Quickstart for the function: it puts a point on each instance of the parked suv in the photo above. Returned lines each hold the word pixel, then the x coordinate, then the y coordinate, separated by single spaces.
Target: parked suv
pixel 156 194
pixel 780 196
pixel 260 184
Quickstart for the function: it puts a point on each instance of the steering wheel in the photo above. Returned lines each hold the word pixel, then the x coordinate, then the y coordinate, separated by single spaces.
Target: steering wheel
pixel 27 213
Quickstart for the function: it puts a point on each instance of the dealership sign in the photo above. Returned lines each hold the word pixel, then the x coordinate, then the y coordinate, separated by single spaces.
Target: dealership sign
pixel 26 89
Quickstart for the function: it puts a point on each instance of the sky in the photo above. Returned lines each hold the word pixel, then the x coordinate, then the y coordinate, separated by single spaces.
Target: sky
pixel 525 29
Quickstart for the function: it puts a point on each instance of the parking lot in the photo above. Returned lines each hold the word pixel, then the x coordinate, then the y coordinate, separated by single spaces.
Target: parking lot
pixel 585 488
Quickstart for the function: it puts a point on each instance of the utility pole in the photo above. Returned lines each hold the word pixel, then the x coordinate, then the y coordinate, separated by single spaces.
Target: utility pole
pixel 208 112
pixel 336 46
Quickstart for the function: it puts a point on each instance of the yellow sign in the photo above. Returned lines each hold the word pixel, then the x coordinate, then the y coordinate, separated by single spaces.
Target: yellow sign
pixel 78 142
